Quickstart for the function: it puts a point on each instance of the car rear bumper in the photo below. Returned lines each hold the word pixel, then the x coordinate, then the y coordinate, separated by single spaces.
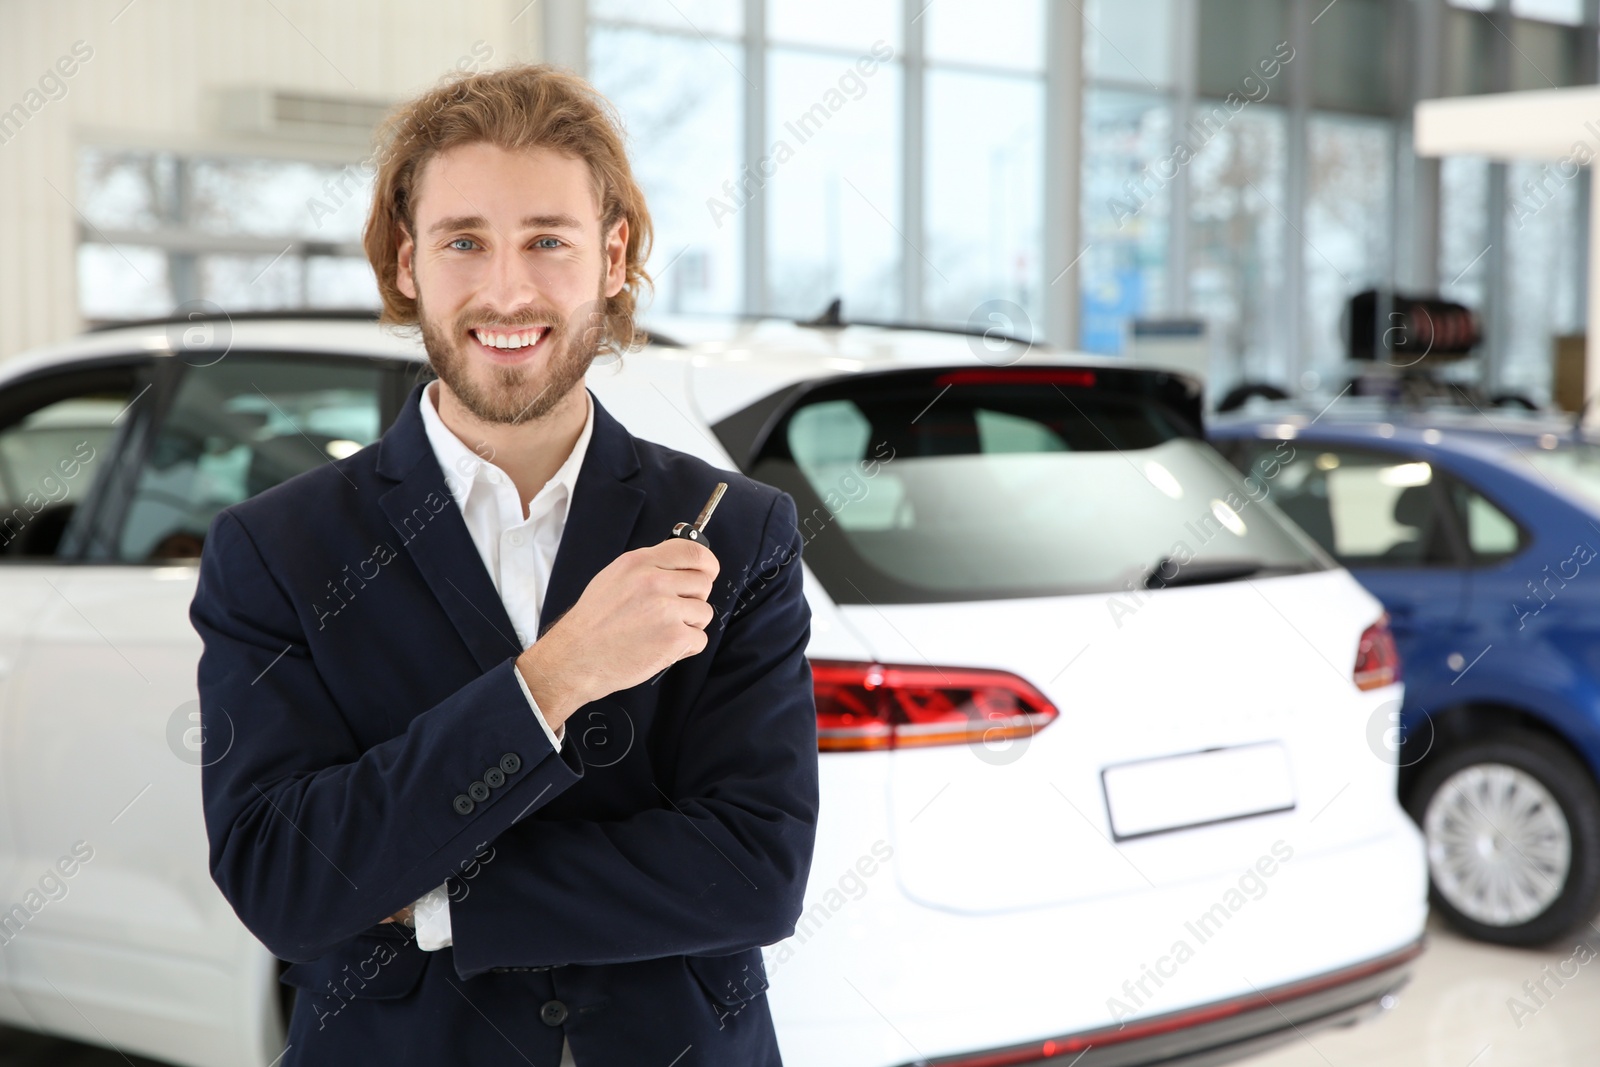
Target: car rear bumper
pixel 1216 1033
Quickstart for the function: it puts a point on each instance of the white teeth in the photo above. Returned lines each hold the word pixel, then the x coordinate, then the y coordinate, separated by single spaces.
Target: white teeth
pixel 513 340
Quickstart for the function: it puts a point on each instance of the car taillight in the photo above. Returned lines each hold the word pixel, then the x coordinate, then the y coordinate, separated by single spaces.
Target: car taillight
pixel 878 706
pixel 1377 660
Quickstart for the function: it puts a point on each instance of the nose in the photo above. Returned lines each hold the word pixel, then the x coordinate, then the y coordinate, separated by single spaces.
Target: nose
pixel 514 281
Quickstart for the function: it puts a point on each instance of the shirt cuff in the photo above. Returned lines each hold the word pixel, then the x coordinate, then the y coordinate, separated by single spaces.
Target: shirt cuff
pixel 556 737
pixel 431 914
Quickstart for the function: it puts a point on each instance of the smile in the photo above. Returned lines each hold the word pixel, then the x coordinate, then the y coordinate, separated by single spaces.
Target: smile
pixel 509 346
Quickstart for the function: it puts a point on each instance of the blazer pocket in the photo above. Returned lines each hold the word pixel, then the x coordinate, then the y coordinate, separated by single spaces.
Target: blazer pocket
pixel 365 967
pixel 731 980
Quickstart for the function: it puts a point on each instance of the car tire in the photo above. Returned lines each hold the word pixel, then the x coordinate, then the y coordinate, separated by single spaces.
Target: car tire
pixel 1515 775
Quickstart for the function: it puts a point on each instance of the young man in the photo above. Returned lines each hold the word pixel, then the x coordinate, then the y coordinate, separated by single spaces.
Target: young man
pixel 579 755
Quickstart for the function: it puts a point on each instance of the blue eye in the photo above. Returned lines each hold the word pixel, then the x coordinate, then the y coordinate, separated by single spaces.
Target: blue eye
pixel 458 240
pixel 540 242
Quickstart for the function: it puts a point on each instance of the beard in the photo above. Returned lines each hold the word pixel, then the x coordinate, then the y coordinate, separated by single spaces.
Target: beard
pixel 512 395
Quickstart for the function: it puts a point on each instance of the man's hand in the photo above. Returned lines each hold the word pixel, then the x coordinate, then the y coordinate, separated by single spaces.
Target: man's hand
pixel 643 612
pixel 401 916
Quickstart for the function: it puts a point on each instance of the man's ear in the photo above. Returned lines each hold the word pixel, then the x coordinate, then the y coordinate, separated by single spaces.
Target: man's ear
pixel 617 258
pixel 404 279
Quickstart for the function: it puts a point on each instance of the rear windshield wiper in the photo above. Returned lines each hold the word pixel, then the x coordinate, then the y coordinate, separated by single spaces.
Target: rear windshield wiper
pixel 1168 572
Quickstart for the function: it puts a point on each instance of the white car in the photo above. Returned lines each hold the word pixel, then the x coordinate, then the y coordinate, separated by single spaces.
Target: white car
pixel 1103 773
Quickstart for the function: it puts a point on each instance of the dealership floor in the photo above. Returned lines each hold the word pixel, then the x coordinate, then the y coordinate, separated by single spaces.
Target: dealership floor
pixel 1456 1012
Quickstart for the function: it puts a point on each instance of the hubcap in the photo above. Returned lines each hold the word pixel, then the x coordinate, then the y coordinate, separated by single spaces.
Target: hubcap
pixel 1499 848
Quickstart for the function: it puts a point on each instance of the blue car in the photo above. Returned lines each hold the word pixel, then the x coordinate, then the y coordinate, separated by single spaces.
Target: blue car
pixel 1480 532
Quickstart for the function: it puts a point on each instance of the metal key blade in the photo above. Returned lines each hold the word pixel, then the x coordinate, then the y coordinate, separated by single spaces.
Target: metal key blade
pixel 711 505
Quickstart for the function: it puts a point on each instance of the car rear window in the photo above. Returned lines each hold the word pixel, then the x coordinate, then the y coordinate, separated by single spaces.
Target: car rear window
pixel 950 486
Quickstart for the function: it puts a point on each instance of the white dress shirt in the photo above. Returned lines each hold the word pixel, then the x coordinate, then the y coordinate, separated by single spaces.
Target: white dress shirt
pixel 517 552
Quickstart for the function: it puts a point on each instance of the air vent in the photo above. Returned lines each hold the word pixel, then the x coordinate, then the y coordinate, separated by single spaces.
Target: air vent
pixel 299 115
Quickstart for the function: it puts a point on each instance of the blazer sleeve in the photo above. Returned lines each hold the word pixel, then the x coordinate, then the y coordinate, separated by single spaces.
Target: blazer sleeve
pixel 314 839
pixel 721 863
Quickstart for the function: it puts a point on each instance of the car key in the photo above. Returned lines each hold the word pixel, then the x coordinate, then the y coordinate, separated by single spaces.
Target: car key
pixel 695 531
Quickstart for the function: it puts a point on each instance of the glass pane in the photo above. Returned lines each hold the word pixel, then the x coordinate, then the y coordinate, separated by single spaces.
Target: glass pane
pixel 123 190
pixel 1350 68
pixel 1545 253
pixel 237 428
pixel 1469 47
pixel 1348 228
pixel 122 282
pixel 710 17
pixel 1463 228
pixel 853 25
pixel 273 197
pixel 1545 56
pixel 1236 36
pixel 249 282
pixel 1126 201
pixel 680 99
pixel 983 189
pixel 1490 531
pixel 1368 510
pixel 833 202
pixel 49 461
pixel 340 282
pixel 1004 33
pixel 1567 11
pixel 1236 233
pixel 893 501
pixel 1128 41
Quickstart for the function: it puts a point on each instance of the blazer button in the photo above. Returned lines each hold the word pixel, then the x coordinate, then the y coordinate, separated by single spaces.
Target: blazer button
pixel 478 791
pixel 464 804
pixel 511 763
pixel 554 1013
pixel 494 778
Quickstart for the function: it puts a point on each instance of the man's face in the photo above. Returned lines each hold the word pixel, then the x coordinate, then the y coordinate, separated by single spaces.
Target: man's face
pixel 510 273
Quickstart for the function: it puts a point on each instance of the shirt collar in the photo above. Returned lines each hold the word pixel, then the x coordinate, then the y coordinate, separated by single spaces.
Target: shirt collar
pixel 463 467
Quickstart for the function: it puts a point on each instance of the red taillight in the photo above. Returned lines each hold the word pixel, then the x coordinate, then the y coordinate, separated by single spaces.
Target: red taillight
pixel 877 706
pixel 1377 660
pixel 1018 376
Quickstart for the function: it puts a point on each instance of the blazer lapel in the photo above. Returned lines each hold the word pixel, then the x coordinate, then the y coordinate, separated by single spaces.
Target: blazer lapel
pixel 420 508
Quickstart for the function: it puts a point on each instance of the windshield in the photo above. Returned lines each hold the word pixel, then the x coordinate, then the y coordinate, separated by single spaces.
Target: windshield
pixel 1001 490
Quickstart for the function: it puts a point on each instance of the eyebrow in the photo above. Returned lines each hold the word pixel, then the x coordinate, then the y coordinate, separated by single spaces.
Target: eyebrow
pixel 559 220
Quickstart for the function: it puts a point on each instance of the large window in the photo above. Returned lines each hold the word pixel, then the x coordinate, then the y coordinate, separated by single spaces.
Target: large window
pixel 772 142
pixel 1246 164
pixel 162 229
pixel 679 91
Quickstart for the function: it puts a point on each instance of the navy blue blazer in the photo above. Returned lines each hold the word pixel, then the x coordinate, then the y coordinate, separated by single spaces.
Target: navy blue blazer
pixel 366 740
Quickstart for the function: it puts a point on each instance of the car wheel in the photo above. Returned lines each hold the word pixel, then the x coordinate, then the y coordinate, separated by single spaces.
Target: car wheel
pixel 1512 823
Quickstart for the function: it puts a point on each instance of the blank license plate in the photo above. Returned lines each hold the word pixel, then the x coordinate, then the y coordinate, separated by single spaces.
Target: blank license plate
pixel 1179 792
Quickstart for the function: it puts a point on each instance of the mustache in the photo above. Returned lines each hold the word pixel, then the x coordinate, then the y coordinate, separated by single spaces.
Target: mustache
pixel 545 322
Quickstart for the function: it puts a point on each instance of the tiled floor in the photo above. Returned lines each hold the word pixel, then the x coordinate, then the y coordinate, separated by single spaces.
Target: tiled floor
pixel 1458 1012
